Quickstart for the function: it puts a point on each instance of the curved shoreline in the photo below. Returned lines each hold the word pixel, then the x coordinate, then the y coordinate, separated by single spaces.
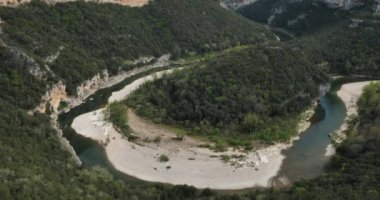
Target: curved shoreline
pixel 199 167
pixel 349 93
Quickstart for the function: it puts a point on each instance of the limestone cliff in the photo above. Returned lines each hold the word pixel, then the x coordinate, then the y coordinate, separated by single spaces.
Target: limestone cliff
pixel 52 99
pixel 57 93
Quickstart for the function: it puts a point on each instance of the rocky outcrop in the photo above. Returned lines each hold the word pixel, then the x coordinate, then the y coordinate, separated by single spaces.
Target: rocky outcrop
pixel 344 4
pixel 1 30
pixel 24 61
pixel 235 4
pixel 54 57
pixel 297 19
pixel 87 87
pixel 52 99
pixel 132 3
pixel 377 7
pixel 103 80
pixel 276 11
pixel 355 23
pixel 324 89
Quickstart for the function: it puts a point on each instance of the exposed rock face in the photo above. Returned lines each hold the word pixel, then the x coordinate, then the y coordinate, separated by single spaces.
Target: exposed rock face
pixel 1 30
pixel 377 7
pixel 52 98
pixel 324 89
pixel 54 57
pixel 102 80
pixel 297 19
pixel 278 10
pixel 344 4
pixel 235 4
pixel 57 93
pixel 132 3
pixel 85 88
pixel 25 61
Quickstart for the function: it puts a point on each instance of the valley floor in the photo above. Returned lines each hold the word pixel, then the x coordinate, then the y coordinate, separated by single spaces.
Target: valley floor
pixel 188 163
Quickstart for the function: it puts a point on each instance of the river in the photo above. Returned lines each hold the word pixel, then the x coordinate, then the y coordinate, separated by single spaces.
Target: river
pixel 305 159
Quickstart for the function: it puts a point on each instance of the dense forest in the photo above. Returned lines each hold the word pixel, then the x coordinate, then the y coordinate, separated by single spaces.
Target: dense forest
pixel 35 165
pixel 88 37
pixel 257 90
pixel 296 16
pixel 251 91
pixel 350 47
pixel 344 42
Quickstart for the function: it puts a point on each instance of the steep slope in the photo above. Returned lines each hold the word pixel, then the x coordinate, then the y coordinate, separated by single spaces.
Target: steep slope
pixel 342 42
pixel 77 40
pixel 304 15
pixel 348 47
pixel 41 45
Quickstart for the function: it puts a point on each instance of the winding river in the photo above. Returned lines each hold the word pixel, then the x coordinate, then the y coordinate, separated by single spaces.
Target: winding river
pixel 308 155
pixel 305 159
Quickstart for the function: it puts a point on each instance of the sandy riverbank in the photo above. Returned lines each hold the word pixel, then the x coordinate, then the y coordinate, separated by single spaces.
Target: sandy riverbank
pixel 349 93
pixel 188 163
pixel 128 89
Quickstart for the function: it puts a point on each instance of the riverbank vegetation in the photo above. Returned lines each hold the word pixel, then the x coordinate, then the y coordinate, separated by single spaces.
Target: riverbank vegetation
pixel 116 114
pixel 255 93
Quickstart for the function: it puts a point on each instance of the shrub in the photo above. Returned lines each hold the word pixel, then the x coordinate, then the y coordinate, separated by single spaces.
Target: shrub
pixel 163 158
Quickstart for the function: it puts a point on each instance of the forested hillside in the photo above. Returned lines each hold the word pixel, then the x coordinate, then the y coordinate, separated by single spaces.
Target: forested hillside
pixel 34 164
pixel 255 91
pixel 77 40
pixel 297 16
pixel 351 46
pixel 343 41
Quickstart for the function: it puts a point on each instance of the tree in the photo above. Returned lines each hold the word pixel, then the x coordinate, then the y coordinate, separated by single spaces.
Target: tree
pixel 251 122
